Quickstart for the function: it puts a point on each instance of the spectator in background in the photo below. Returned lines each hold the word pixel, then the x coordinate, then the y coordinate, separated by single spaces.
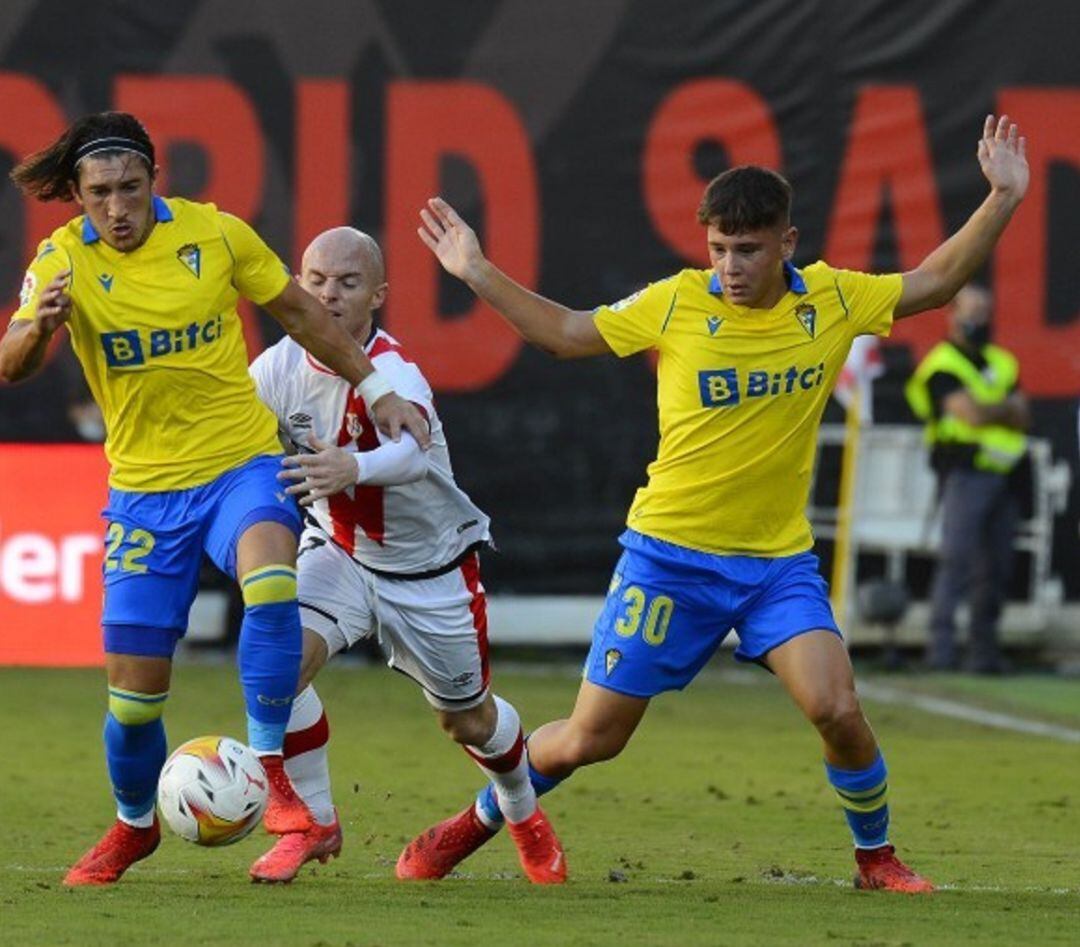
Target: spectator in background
pixel 966 390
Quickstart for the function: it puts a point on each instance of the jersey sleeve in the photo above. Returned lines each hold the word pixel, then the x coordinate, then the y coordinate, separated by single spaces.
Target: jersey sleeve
pixel 267 386
pixel 49 261
pixel 408 382
pixel 636 323
pixel 869 300
pixel 258 273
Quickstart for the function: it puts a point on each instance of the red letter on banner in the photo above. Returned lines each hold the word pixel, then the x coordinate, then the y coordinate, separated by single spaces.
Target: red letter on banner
pixel 724 111
pixel 1049 354
pixel 321 191
pixel 32 120
pixel 426 121
pixel 214 114
pixel 888 154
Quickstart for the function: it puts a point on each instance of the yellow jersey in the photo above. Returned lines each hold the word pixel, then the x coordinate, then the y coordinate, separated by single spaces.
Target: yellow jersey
pixel 160 341
pixel 741 393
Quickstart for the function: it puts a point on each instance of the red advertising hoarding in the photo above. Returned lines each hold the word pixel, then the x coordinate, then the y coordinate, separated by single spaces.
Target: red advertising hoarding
pixel 50 553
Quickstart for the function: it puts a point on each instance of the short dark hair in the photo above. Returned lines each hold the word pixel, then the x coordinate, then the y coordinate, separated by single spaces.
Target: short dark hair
pixel 49 173
pixel 746 198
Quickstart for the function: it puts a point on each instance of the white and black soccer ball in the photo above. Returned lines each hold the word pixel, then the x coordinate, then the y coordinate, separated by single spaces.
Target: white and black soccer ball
pixel 212 791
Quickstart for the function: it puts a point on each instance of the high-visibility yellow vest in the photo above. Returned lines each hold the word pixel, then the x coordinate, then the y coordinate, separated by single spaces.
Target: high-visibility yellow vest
pixel 998 448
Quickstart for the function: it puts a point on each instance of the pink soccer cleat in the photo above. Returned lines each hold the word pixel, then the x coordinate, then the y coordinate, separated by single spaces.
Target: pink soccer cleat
pixel 435 851
pixel 286 811
pixel 539 850
pixel 881 870
pixel 295 849
pixel 118 850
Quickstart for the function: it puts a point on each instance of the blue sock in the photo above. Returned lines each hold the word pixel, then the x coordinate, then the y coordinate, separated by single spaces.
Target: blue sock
pixel 488 804
pixel 271 644
pixel 864 795
pixel 135 754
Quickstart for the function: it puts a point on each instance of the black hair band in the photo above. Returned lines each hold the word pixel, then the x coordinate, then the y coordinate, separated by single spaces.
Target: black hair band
pixel 112 143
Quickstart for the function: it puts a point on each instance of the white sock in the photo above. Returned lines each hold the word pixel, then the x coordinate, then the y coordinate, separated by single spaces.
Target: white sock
pixel 143 821
pixel 306 759
pixel 505 760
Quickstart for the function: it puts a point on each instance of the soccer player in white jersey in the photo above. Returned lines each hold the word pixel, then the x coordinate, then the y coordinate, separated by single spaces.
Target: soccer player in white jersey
pixel 749 349
pixel 390 549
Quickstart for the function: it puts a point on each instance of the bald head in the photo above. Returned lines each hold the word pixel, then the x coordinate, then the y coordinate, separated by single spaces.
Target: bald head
pixel 343 268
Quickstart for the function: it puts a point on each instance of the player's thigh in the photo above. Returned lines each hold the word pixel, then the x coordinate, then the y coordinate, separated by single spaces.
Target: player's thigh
pixel 252 523
pixel 435 631
pixel 150 571
pixel 659 625
pixel 790 599
pixel 816 671
pixel 335 596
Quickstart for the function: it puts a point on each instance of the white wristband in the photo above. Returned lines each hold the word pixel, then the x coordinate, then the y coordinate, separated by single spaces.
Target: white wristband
pixel 374 387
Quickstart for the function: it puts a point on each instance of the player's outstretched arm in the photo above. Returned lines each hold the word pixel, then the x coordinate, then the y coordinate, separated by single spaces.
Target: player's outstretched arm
pixel 566 333
pixel 1002 157
pixel 23 347
pixel 311 325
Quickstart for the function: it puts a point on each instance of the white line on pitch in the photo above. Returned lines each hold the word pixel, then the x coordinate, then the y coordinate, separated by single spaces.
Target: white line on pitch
pixel 960 711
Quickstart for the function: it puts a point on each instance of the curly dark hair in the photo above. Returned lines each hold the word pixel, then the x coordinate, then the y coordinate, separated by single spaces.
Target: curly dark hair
pixel 48 174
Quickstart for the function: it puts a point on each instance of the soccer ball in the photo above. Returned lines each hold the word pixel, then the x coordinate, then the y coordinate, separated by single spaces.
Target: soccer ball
pixel 212 791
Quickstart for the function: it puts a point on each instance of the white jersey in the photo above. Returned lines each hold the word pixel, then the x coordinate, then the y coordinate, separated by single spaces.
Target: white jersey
pixel 410 529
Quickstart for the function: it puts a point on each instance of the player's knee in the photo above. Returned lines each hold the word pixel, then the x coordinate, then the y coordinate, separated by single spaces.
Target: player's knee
pixel 468 727
pixel 133 709
pixel 834 711
pixel 268 585
pixel 585 746
pixel 315 655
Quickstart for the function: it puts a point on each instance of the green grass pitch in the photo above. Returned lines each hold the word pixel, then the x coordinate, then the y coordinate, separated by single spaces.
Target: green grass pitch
pixel 715 826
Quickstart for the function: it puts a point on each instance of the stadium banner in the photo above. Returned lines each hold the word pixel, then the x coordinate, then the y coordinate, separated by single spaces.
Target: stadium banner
pixel 577 137
pixel 51 546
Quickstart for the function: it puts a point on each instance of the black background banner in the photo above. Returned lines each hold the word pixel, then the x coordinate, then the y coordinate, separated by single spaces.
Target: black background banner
pixel 577 137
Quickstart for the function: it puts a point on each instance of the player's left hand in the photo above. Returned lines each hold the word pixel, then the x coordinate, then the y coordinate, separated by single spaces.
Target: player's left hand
pixel 316 476
pixel 393 414
pixel 1003 157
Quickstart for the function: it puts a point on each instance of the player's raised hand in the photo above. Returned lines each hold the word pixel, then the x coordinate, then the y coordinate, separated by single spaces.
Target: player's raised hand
pixel 1003 157
pixel 452 240
pixel 54 303
pixel 316 476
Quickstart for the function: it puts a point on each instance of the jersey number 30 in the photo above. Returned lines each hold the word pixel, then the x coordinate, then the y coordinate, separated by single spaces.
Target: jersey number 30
pixel 656 613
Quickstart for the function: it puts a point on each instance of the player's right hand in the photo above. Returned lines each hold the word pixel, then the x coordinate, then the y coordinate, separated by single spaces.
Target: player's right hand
pixel 452 240
pixel 54 303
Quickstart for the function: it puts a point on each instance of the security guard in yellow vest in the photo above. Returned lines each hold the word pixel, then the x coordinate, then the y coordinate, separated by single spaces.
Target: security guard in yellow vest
pixel 966 390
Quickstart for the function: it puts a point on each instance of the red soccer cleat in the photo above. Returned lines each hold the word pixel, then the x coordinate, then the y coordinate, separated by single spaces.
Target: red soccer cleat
pixel 118 850
pixel 435 851
pixel 295 849
pixel 539 850
pixel 285 811
pixel 880 869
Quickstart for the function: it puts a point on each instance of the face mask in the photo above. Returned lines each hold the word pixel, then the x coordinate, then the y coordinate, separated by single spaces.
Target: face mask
pixel 975 335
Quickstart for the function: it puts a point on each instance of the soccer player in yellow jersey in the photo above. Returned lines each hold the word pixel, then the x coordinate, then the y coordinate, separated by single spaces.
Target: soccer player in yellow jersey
pixel 147 287
pixel 718 539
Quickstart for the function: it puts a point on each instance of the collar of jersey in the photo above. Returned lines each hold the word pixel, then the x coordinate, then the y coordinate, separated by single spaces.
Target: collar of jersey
pixel 162 214
pixel 794 278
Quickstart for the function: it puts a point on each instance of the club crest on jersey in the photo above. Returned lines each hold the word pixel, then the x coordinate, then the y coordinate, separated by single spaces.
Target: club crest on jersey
pixel 191 256
pixel 611 658
pixel 29 284
pixel 807 316
pixel 353 425
pixel 713 323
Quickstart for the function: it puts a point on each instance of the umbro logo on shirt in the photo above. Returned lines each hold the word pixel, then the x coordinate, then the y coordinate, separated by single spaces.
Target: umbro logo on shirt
pixel 300 420
pixel 106 280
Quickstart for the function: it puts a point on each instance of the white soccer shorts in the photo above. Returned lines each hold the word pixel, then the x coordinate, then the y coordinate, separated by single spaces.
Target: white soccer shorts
pixel 432 630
